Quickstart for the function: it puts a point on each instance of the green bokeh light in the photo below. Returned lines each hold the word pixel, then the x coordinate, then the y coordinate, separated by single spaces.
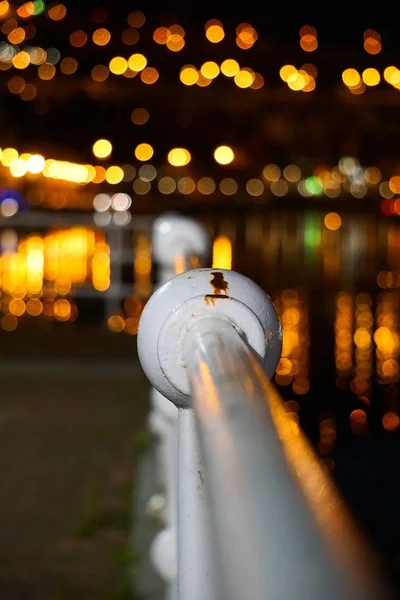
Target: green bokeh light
pixel 39 7
pixel 312 231
pixel 314 185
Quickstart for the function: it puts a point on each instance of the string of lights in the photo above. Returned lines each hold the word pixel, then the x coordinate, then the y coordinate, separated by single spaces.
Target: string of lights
pixel 177 171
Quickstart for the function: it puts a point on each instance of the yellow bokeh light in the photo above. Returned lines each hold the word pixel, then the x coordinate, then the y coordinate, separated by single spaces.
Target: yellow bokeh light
pixel 116 323
pixel 286 71
pixel 362 338
pixel 392 75
pixel 224 155
pixel 186 185
pixel 16 36
pixel 62 310
pixel 161 35
pixel 34 307
pixel 292 173
pixel 68 65
pixel 114 175
pixel 137 62
pixel 243 45
pixel 358 89
pixel 38 56
pixel 228 186
pixel 272 172
pixel 101 37
pixel 210 69
pixel 26 10
pixel 215 34
pixel 203 81
pixel 46 72
pixel 118 65
pixel 144 152
pixel 18 168
pixel 308 43
pixel 284 366
pixel 35 163
pixel 17 307
pixel 244 78
pixel 390 367
pixel 390 421
pixel 57 12
pixel 102 148
pixel 332 221
pixel 351 77
pixel 189 75
pixel 16 84
pixel 255 187
pixel 4 7
pixel 206 185
pixel 246 33
pixel 372 46
pixel 100 73
pixel 100 175
pixel 9 155
pixel 176 30
pixel 175 43
pixel 298 81
pixel 21 60
pixel 310 84
pixel 222 253
pixel 179 157
pixel 373 175
pixel 371 77
pixel 394 184
pixel 230 67
pixel 149 75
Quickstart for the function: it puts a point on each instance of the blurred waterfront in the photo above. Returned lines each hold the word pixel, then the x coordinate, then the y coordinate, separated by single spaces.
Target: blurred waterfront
pixel 281 136
pixel 334 278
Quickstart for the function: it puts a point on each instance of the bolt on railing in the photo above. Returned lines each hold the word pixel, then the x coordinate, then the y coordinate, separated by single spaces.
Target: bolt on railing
pixel 257 516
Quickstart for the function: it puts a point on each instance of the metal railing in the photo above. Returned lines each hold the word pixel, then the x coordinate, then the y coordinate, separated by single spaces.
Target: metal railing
pixel 251 514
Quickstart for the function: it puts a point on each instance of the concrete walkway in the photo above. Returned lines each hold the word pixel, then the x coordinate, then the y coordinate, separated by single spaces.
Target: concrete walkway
pixel 72 415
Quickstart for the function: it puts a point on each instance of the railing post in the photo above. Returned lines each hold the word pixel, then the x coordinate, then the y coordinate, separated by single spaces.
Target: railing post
pixel 177 242
pixel 209 340
pixel 197 560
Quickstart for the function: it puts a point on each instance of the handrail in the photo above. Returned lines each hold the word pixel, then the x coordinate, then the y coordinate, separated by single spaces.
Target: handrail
pixel 258 517
pixel 268 525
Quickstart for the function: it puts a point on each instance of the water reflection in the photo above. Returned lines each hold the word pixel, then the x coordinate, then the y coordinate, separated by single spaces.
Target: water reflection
pixel 293 366
pixel 335 280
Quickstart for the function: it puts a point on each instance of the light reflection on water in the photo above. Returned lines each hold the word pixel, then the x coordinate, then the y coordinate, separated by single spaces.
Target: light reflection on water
pixel 335 281
pixel 336 284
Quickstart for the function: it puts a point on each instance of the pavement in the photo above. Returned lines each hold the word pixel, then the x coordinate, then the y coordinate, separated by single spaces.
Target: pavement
pixel 73 406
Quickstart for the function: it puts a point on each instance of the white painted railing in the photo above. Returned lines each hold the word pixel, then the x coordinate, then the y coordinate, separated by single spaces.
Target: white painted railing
pixel 253 514
pixel 178 244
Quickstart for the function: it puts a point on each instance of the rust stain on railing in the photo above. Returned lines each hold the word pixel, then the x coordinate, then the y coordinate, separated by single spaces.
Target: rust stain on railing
pixel 218 283
pixel 219 286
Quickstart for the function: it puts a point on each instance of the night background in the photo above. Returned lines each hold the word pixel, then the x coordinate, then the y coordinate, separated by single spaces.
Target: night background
pixel 279 131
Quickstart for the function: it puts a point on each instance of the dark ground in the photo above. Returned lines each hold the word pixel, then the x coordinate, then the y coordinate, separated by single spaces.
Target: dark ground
pixel 72 416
